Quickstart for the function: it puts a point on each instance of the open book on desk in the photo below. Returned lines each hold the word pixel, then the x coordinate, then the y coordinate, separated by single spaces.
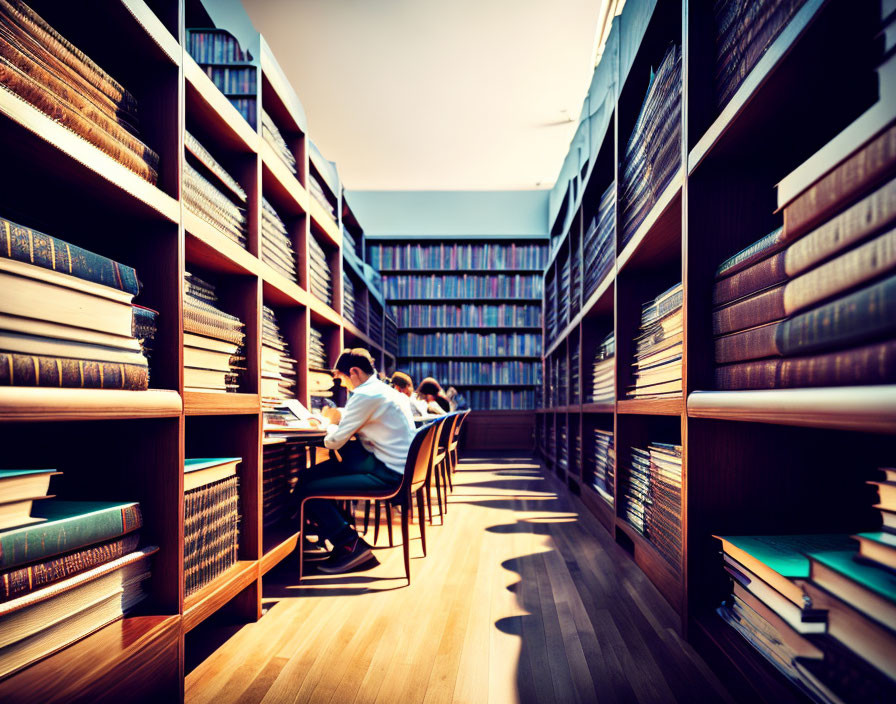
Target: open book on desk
pixel 292 415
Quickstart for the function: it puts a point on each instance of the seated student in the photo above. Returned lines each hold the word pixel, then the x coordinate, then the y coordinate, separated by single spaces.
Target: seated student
pixel 377 461
pixel 431 392
pixel 404 385
pixel 457 400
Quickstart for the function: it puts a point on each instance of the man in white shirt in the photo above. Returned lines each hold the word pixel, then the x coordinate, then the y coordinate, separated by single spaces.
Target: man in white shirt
pixel 384 432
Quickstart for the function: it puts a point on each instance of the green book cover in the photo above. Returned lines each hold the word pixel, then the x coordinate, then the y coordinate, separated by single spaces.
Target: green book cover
pixel 10 473
pixel 887 539
pixel 70 525
pixel 875 579
pixel 786 554
pixel 194 465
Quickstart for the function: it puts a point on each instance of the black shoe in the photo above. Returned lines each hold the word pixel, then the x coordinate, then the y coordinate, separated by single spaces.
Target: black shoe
pixel 313 552
pixel 346 557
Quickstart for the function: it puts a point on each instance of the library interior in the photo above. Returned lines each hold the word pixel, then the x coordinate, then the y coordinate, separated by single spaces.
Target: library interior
pixel 612 282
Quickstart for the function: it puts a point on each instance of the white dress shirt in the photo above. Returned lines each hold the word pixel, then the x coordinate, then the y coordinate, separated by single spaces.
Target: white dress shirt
pixel 374 414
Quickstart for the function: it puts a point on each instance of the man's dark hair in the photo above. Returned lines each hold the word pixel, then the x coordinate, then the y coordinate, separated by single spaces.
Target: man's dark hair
pixel 429 386
pixel 402 380
pixel 357 357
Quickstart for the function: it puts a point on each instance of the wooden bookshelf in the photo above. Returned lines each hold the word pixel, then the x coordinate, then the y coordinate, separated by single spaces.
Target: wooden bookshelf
pixel 119 444
pixel 753 462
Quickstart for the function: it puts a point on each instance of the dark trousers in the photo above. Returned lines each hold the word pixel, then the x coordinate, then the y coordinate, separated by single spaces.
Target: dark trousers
pixel 358 471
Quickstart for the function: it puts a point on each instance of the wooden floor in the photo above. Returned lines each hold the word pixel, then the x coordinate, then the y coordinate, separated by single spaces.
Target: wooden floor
pixel 522 598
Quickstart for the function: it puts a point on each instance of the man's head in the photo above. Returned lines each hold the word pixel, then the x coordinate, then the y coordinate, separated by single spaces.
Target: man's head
pixel 429 388
pixel 403 383
pixel 354 367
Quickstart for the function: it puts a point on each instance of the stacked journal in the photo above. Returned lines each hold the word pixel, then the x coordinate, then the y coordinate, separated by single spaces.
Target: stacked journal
pixel 317 353
pixel 41 67
pixel 276 247
pixel 213 341
pixel 73 329
pixel 657 365
pixel 603 479
pixel 653 153
pixel 603 388
pixel 317 192
pixel 211 519
pixel 600 244
pixel 271 135
pixel 652 498
pixel 76 558
pixel 321 280
pixel 278 368
pixel 229 68
pixel 813 303
pixel 212 193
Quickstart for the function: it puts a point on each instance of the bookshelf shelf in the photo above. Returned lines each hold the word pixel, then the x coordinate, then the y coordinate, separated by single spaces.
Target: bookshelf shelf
pixel 210 107
pixel 604 407
pixel 356 332
pixel 278 178
pixel 657 239
pixel 45 404
pixel 198 403
pixel 208 248
pixel 323 223
pixel 598 505
pixel 214 595
pixel 868 408
pixel 153 27
pixel 651 406
pixel 279 290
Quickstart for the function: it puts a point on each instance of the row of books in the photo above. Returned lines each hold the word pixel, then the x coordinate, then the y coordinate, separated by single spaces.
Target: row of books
pixel 467 314
pixel 600 242
pixel 651 498
pixel 212 193
pixel 500 399
pixel 278 368
pixel 211 519
pixel 271 134
pixel 44 69
pixel 317 192
pixel 77 329
pixel 320 278
pixel 281 464
pixel 658 347
pixel 463 286
pixel 238 83
pixel 821 608
pixel 469 344
pixel 575 393
pixel 349 306
pixel 487 256
pixel 743 33
pixel 76 558
pixel 562 385
pixel 276 246
pixel 653 152
pixel 603 370
pixel 603 477
pixel 375 323
pixel 477 372
pixel 551 327
pixel 564 293
pixel 214 359
pixel 563 447
pixel 390 335
pixel 317 351
pixel 813 303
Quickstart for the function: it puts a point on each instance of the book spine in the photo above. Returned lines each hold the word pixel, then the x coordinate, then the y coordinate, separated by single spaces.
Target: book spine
pixel 859 171
pixel 873 364
pixel 769 244
pixel 756 310
pixel 762 275
pixel 27 245
pixel 24 580
pixel 38 370
pixel 853 319
pixel 43 540
pixel 755 343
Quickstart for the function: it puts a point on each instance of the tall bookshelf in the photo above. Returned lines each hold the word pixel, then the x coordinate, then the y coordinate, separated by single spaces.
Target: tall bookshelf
pixel 754 462
pixel 444 316
pixel 129 444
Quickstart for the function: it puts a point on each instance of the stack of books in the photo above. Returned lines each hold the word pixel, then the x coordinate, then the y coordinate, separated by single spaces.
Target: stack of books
pixel 603 479
pixel 278 368
pixel 317 192
pixel 276 247
pixel 349 243
pixel 653 153
pixel 744 31
pixel 271 135
pixel 575 283
pixel 550 312
pixel 463 286
pixel 213 194
pixel 562 382
pixel 563 449
pixel 600 245
pixel 486 256
pixel 211 519
pixel 44 69
pixel 320 278
pixel 229 68
pixel 76 329
pixel 317 351
pixel 375 323
pixel 553 381
pixel 564 295
pixel 349 312
pixel 275 482
pixel 658 347
pixel 575 396
pixel 390 334
pixel 576 448
pixel 813 303
pixel 652 498
pixel 75 558
pixel 213 341
pixel 603 385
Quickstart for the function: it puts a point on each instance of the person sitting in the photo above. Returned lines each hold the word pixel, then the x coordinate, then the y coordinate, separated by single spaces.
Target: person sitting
pixel 457 400
pixel 376 461
pixel 404 385
pixel 431 392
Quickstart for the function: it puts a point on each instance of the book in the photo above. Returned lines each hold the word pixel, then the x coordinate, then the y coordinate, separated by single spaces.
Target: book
pixel 37 370
pixel 69 525
pixel 802 620
pixel 209 343
pixel 60 331
pixel 864 587
pixel 18 484
pixel 862 170
pixel 887 492
pixel 858 317
pixel 271 134
pixel 842 677
pixel 27 245
pixel 201 471
pixel 206 359
pixel 878 547
pixel 206 378
pixel 51 347
pixel 29 578
pixel 211 532
pixel 777 628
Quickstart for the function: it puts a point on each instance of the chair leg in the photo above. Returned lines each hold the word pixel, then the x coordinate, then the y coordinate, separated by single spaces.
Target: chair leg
pixel 422 522
pixel 447 470
pixel 439 495
pixel 389 522
pixel 406 543
pixel 301 538
pixel 428 494
pixel 366 515
pixel 376 521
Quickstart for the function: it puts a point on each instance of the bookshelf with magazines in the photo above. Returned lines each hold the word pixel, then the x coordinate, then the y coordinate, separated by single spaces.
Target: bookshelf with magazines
pixel 737 440
pixel 189 373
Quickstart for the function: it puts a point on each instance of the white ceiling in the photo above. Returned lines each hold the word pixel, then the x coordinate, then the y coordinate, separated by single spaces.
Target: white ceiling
pixel 437 94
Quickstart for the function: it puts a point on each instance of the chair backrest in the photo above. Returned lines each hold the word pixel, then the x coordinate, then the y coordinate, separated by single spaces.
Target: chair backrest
pixel 419 457
pixel 455 436
pixel 446 432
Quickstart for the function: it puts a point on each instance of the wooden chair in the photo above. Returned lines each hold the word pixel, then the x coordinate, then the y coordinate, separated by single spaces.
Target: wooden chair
pixel 440 460
pixel 417 469
pixel 455 440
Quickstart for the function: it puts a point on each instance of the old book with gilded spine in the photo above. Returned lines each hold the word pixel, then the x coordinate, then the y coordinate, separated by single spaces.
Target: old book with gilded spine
pixel 37 370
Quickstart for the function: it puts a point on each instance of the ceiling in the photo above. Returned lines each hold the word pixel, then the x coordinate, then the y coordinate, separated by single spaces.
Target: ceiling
pixel 437 94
